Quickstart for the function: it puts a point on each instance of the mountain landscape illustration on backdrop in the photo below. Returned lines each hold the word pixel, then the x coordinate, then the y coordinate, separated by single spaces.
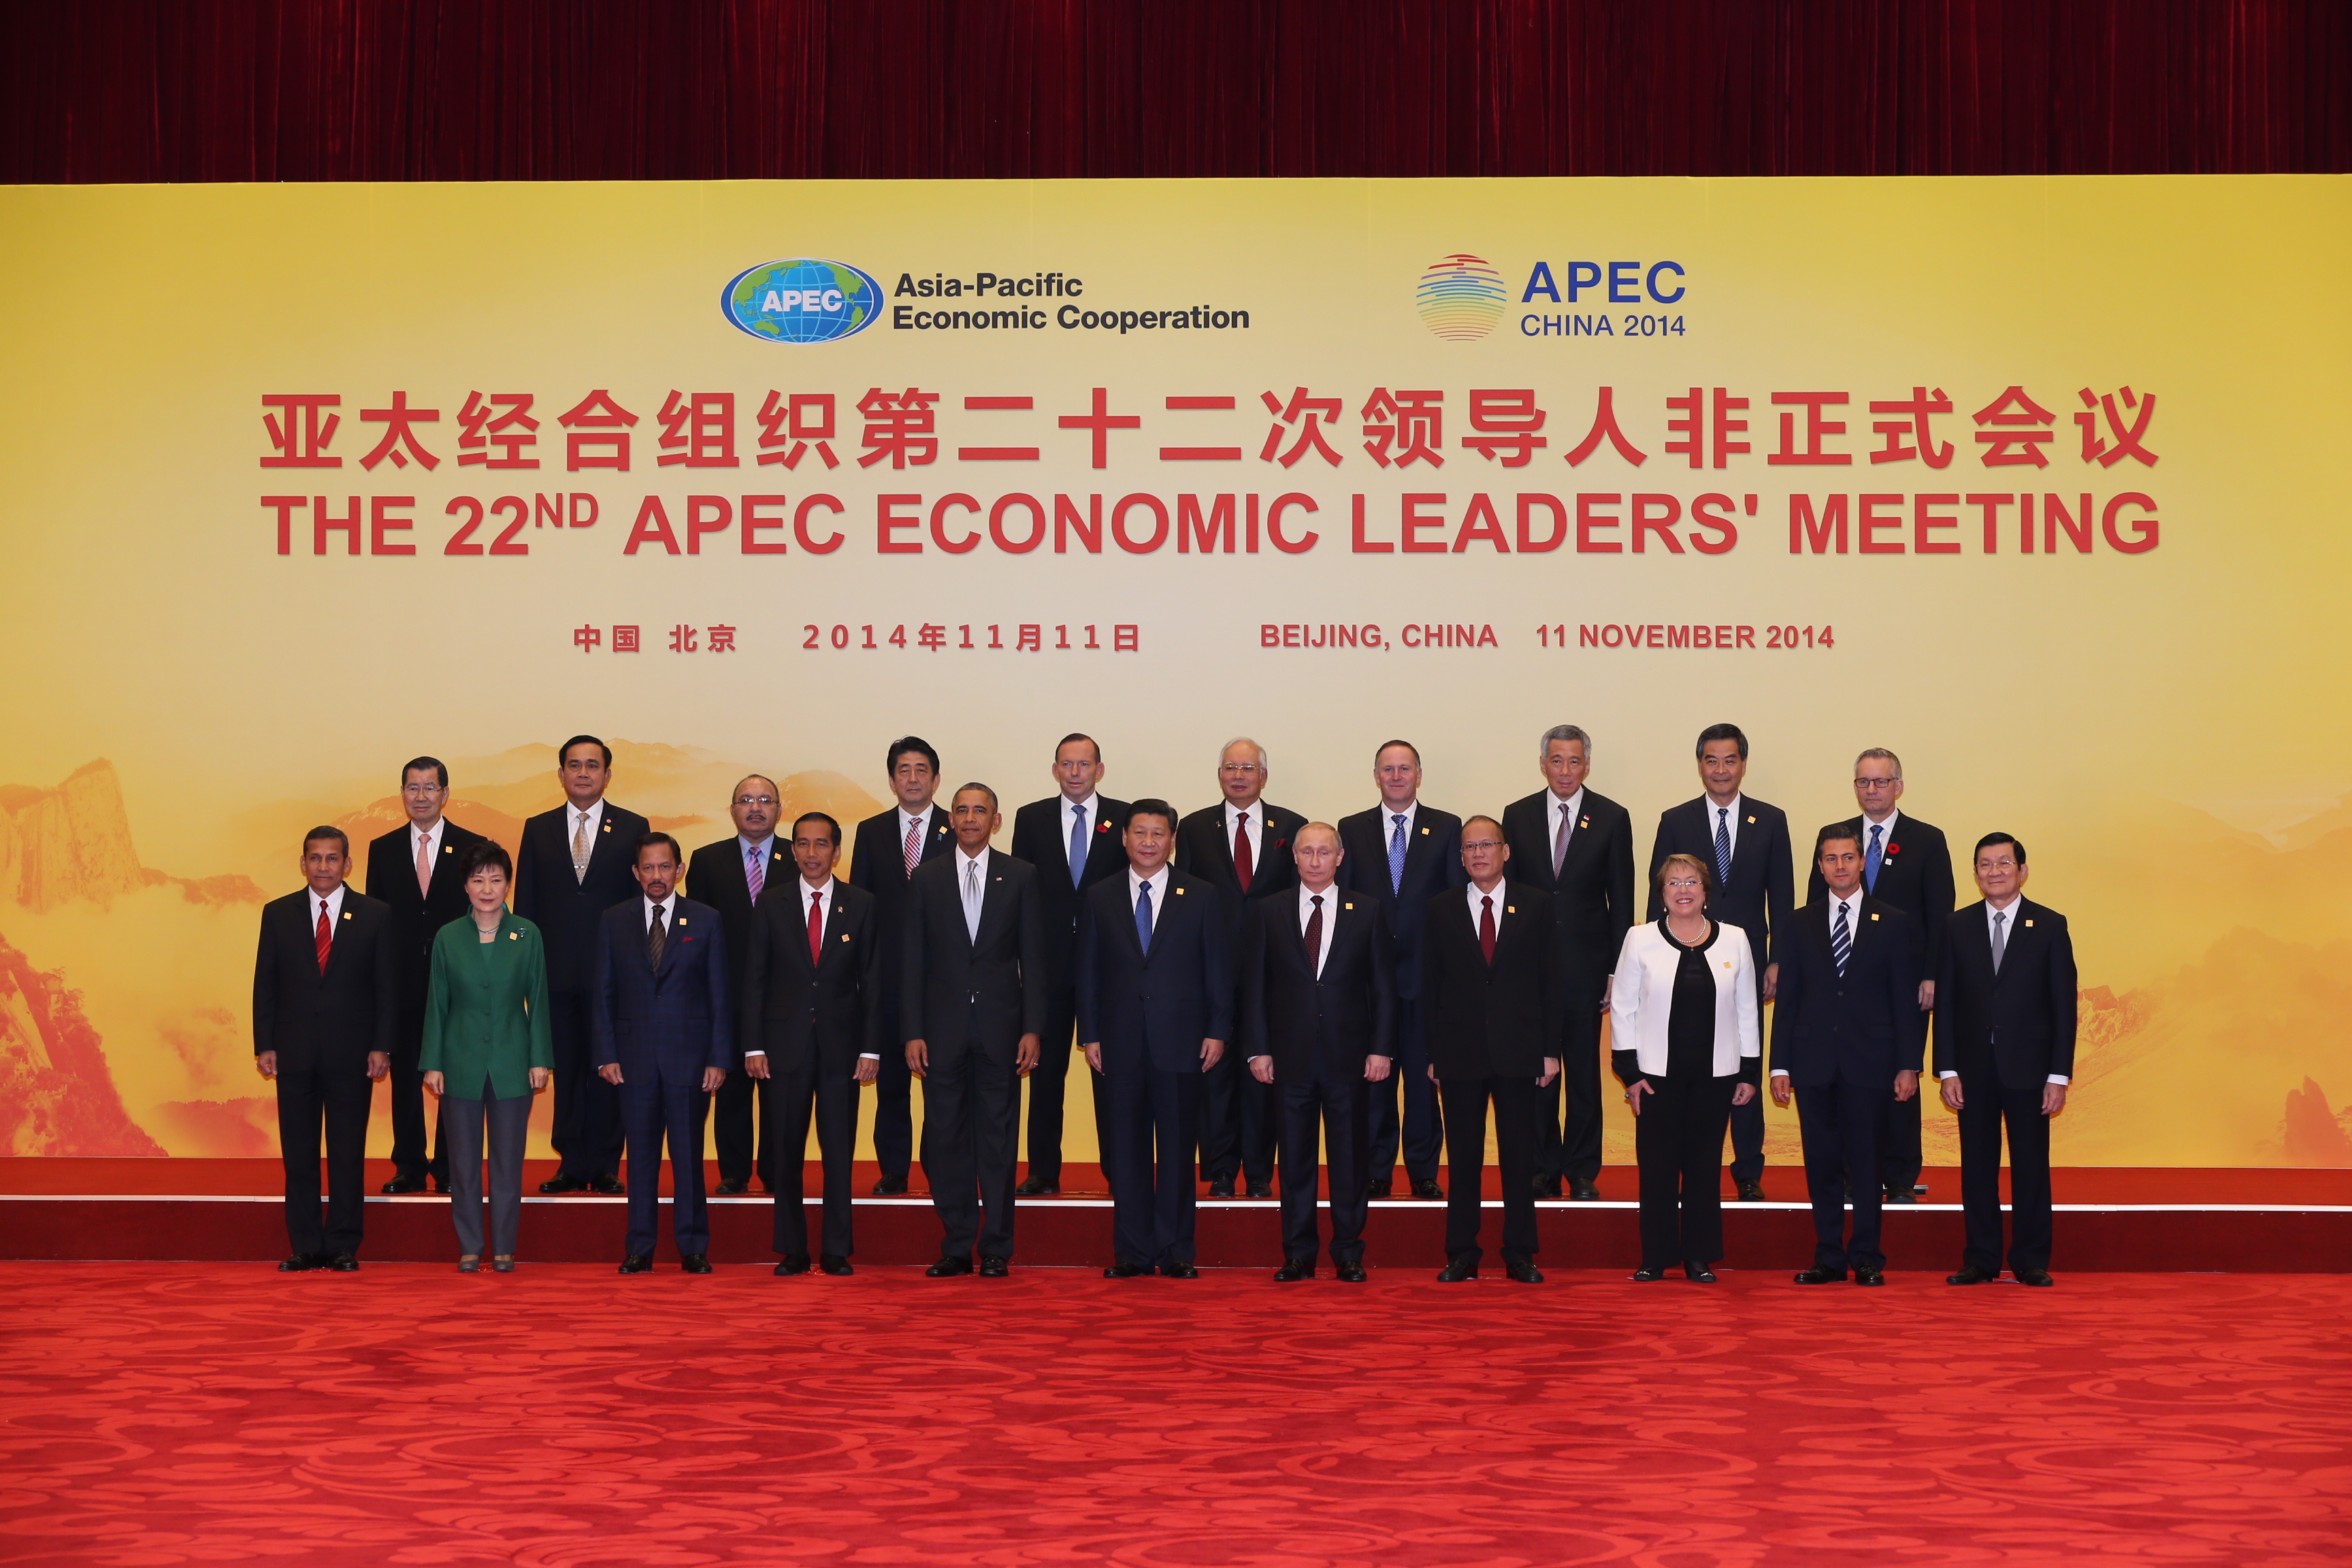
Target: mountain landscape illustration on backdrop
pixel 125 988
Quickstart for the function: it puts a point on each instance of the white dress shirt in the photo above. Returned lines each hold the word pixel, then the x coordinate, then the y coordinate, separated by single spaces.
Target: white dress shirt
pixel 334 902
pixel 1330 897
pixel 1255 827
pixel 668 908
pixel 1470 888
pixel 2008 934
pixel 971 889
pixel 921 824
pixel 1738 805
pixel 1158 881
pixel 1853 906
pixel 1092 806
pixel 574 816
pixel 1574 807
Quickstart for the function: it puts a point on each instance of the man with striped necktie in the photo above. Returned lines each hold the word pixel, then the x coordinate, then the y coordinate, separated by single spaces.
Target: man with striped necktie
pixel 732 876
pixel 1846 1027
pixel 890 846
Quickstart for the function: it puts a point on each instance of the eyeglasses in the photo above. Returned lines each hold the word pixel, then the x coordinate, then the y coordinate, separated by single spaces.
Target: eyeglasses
pixel 1237 767
pixel 755 800
pixel 1482 844
pixel 1878 783
pixel 1693 883
pixel 420 789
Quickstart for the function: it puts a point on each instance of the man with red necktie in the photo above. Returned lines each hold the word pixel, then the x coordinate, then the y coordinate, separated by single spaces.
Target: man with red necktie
pixel 890 846
pixel 326 984
pixel 1240 846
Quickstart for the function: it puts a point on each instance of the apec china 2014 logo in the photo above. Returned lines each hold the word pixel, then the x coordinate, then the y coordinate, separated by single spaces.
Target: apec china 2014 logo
pixel 803 300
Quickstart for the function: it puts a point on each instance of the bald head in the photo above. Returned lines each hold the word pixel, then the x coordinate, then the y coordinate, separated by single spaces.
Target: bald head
pixel 755 806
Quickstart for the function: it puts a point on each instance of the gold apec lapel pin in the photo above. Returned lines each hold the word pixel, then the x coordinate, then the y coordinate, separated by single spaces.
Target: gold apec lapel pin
pixel 1751 822
pixel 1873 916
pixel 1424 833
pixel 2029 924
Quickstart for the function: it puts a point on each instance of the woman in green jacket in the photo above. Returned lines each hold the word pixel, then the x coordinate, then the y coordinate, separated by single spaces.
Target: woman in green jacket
pixel 486 1050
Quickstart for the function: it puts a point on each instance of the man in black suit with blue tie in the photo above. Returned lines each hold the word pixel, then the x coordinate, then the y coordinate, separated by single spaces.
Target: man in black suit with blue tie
pixel 574 865
pixel 1399 855
pixel 1155 1010
pixel 1846 1028
pixel 732 876
pixel 1746 842
pixel 1318 1023
pixel 1576 844
pixel 890 846
pixel 1074 838
pixel 2005 1021
pixel 1906 863
pixel 664 1019
pixel 971 1002
pixel 413 872
pixel 1241 848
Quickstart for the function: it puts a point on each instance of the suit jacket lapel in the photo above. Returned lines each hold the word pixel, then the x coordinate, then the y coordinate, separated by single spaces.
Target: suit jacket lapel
pixel 1418 848
pixel 991 896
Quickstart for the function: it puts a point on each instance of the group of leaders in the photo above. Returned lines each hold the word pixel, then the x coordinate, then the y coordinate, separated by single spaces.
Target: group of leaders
pixel 1244 983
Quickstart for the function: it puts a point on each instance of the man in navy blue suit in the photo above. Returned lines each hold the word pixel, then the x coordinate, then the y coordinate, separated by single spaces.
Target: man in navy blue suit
pixel 1746 842
pixel 665 1031
pixel 1846 1027
pixel 1155 1010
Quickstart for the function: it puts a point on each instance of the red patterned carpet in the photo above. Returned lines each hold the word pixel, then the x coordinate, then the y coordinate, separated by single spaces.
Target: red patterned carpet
pixel 564 1416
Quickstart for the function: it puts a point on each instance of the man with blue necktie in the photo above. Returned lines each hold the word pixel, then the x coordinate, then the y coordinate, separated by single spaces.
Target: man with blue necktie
pixel 1401 854
pixel 1746 842
pixel 1074 837
pixel 1906 863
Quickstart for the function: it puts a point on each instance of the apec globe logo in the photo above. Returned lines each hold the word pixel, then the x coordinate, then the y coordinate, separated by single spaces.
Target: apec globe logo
pixel 1461 298
pixel 803 300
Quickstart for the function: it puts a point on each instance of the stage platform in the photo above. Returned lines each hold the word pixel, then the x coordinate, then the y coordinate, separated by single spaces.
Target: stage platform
pixel 2229 1221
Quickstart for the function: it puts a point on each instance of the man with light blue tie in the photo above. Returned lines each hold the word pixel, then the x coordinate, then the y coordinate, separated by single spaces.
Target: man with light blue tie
pixel 1074 838
pixel 731 876
pixel 1402 854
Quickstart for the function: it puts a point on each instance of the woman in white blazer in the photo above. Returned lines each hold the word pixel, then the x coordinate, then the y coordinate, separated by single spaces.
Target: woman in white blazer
pixel 1685 1044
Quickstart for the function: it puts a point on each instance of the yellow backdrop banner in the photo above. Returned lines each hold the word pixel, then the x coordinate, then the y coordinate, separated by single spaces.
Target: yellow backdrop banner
pixel 2023 478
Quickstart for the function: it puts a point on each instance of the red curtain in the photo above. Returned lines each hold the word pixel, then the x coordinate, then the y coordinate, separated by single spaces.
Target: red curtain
pixel 529 90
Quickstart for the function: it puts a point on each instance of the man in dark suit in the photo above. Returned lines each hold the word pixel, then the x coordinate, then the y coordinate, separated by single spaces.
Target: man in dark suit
pixel 1493 995
pixel 1155 1010
pixel 1904 864
pixel 1846 1027
pixel 575 865
pixel 1318 1023
pixel 810 1024
pixel 326 986
pixel 413 872
pixel 664 1019
pixel 1074 838
pixel 731 876
pixel 971 1002
pixel 890 845
pixel 1576 844
pixel 2005 1013
pixel 1399 855
pixel 1241 848
pixel 1746 842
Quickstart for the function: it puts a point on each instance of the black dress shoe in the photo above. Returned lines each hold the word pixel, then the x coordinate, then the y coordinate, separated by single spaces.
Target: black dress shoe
pixel 401 1184
pixel 1584 1192
pixel 948 1268
pixel 349 1263
pixel 1222 1188
pixel 1179 1271
pixel 1969 1274
pixel 637 1263
pixel 793 1263
pixel 1126 1271
pixel 1698 1274
pixel 300 1263
pixel 1293 1270
pixel 1458 1270
pixel 440 1183
pixel 1258 1190
pixel 606 1184
pixel 890 1187
pixel 1428 1188
pixel 1864 1274
pixel 1900 1195
pixel 1817 1275
pixel 833 1263
pixel 560 1184
pixel 1749 1192
pixel 994 1269
pixel 1525 1272
pixel 1379 1189
pixel 732 1186
pixel 1649 1274
pixel 696 1263
pixel 1546 1187
pixel 1353 1273
pixel 2036 1277
pixel 1038 1187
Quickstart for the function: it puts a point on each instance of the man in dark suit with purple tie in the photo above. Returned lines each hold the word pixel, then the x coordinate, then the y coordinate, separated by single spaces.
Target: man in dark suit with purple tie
pixel 731 876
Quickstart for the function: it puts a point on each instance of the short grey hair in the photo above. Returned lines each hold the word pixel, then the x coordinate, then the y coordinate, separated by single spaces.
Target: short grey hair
pixel 1882 754
pixel 1563 733
pixel 1244 740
